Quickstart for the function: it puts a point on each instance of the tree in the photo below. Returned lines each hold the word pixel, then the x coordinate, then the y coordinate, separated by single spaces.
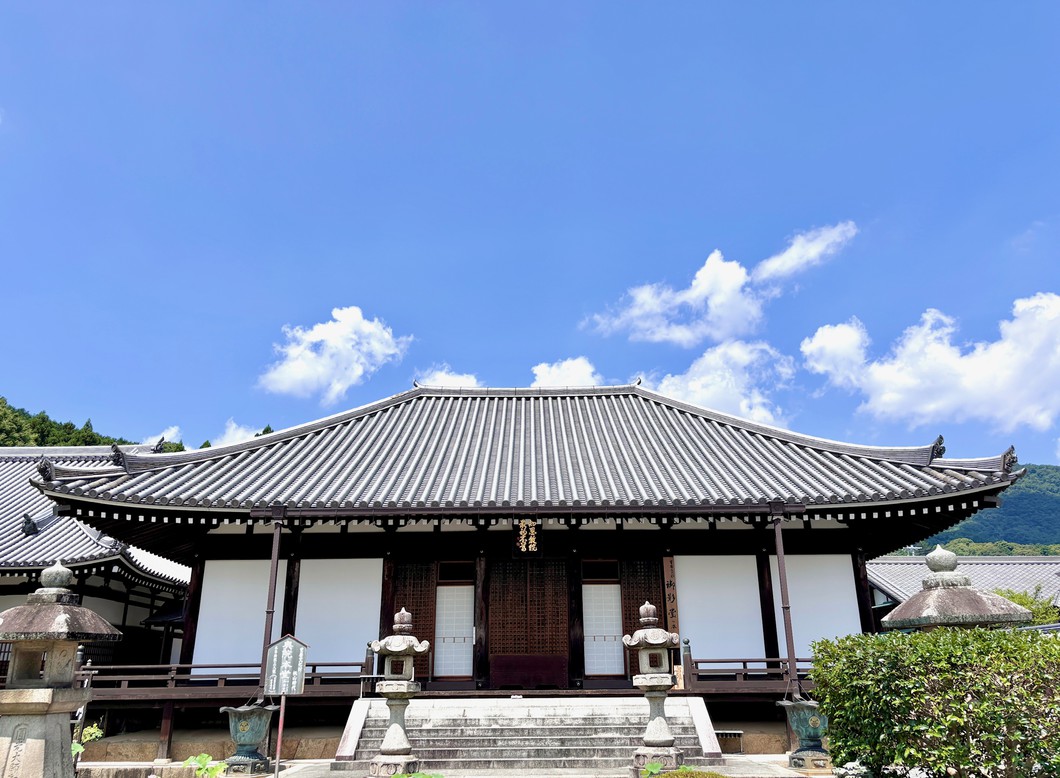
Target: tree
pixel 15 428
pixel 1043 610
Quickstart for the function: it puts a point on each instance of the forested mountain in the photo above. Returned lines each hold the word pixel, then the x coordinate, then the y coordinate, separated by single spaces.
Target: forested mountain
pixel 19 427
pixel 1029 515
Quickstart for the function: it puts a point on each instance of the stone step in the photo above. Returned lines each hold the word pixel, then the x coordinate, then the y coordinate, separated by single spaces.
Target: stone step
pixel 445 767
pixel 597 736
pixel 525 731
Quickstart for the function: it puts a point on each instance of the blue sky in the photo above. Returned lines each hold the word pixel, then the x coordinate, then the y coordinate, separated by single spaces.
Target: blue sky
pixel 839 218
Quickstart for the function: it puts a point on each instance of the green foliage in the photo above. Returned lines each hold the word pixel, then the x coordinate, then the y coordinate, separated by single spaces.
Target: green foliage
pixel 1027 514
pixel 1043 610
pixel 18 427
pixel 15 429
pixel 203 768
pixel 966 547
pixel 265 431
pixel 687 771
pixel 91 732
pixel 206 444
pixel 650 769
pixel 76 749
pixel 944 701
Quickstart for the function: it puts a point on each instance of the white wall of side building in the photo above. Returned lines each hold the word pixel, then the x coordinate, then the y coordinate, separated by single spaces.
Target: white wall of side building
pixel 108 609
pixel 232 610
pixel 338 607
pixel 823 597
pixel 718 606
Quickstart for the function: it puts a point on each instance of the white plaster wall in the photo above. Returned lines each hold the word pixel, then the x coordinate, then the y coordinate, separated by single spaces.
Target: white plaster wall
pixel 108 609
pixel 232 610
pixel 823 599
pixel 11 600
pixel 717 602
pixel 338 607
pixel 137 615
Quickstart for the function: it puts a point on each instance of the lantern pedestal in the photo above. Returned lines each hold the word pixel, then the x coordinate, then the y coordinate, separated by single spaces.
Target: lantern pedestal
pixel 809 725
pixel 248 725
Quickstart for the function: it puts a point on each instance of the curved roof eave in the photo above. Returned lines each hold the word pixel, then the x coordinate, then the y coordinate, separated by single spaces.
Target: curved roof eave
pixel 757 463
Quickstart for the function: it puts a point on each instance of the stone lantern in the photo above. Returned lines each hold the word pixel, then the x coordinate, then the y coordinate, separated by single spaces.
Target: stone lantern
pixel 948 599
pixel 655 678
pixel 40 694
pixel 398 687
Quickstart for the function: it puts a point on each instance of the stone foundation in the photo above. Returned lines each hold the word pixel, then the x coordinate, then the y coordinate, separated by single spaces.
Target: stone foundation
pixel 298 743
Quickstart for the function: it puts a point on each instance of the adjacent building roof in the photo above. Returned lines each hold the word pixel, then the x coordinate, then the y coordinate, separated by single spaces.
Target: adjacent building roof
pixel 454 450
pixel 948 599
pixel 901 577
pixel 33 537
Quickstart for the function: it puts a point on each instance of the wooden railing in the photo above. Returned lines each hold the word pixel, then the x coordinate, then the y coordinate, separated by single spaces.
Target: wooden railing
pixel 742 675
pixel 213 682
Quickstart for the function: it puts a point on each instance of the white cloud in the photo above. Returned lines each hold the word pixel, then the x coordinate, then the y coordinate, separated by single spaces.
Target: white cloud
pixel 234 433
pixel 838 351
pixel 717 304
pixel 171 434
pixel 330 357
pixel 1009 382
pixel 723 301
pixel 735 377
pixel 1058 451
pixel 443 375
pixel 805 250
pixel 577 371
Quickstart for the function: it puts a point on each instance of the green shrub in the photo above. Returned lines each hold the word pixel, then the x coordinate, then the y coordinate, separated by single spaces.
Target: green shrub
pixel 1043 610
pixel 952 702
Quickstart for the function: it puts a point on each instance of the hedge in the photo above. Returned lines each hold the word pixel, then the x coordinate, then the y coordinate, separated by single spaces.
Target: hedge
pixel 952 702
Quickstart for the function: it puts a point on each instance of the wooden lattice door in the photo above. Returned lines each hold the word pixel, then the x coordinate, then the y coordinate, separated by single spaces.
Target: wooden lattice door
pixel 415 585
pixel 529 627
pixel 641 579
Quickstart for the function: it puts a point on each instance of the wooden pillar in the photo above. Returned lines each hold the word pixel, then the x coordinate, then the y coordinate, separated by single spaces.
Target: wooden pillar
pixel 767 604
pixel 191 610
pixel 785 604
pixel 270 601
pixel 165 735
pixel 386 601
pixel 864 593
pixel 289 619
pixel 576 643
pixel 482 622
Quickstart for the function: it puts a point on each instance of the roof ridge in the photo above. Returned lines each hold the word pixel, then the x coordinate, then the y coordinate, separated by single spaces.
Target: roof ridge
pixel 140 459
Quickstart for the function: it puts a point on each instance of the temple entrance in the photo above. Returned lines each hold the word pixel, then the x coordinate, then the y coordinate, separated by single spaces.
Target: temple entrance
pixel 529 624
pixel 504 623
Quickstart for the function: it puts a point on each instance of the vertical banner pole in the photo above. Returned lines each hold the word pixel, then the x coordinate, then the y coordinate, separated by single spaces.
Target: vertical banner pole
pixel 279 733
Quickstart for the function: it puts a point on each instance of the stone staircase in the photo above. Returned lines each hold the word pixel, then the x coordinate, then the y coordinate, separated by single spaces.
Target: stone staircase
pixel 596 735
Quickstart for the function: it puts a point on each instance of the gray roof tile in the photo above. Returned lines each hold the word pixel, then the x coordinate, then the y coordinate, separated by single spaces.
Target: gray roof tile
pixel 459 449
pixel 901 577
pixel 57 537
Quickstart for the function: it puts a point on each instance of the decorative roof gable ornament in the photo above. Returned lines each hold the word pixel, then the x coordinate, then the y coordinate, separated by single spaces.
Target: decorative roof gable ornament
pixel 938 448
pixel 46 469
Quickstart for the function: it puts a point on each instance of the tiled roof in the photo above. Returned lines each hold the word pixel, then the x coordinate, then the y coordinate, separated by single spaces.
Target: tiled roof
pixel 33 537
pixel 440 449
pixel 901 577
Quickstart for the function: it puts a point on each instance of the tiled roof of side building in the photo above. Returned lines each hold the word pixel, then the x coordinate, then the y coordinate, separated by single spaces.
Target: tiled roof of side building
pixel 33 537
pixel 901 577
pixel 453 449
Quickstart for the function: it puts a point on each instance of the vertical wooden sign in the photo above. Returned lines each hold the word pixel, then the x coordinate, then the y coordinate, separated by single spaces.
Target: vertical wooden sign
pixel 672 620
